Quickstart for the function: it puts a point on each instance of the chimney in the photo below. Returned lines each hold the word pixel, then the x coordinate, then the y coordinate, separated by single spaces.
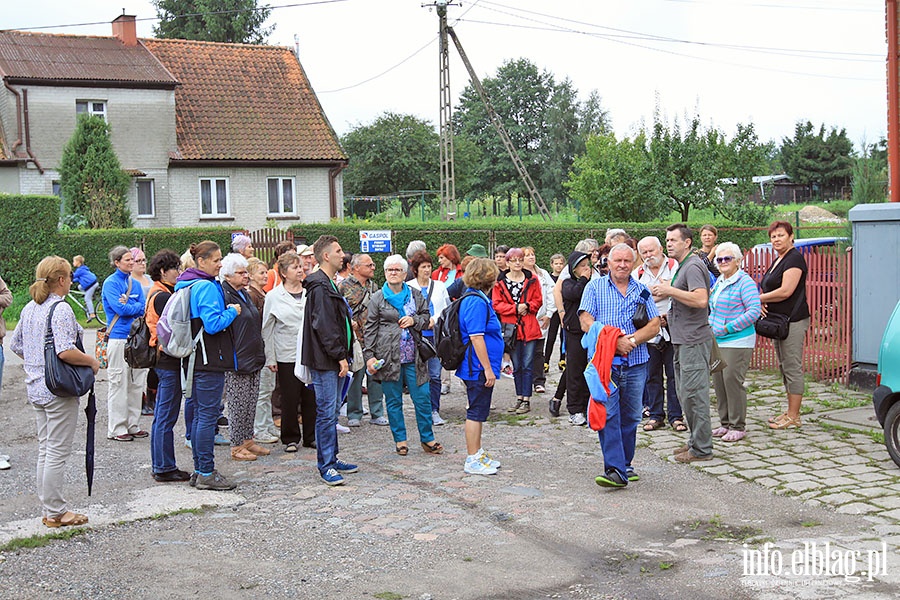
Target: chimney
pixel 123 27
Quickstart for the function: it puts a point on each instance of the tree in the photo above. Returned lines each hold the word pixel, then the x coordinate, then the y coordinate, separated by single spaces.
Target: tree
pixel 396 152
pixel 688 164
pixel 822 162
pixel 744 158
pixel 870 173
pixel 593 119
pixel 615 181
pixel 91 179
pixel 232 21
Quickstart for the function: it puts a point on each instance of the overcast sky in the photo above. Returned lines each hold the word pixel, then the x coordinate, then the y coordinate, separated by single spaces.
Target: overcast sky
pixel 770 62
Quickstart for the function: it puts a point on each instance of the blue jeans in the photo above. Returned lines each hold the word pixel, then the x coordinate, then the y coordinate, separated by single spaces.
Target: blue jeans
pixel 618 438
pixel 2 360
pixel 393 398
pixel 165 415
pixel 522 360
pixel 660 361
pixel 208 389
pixel 328 406
pixel 434 383
pixel 190 406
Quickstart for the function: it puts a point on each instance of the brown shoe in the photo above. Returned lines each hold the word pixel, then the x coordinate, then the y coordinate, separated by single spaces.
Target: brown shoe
pixel 681 449
pixel 255 448
pixel 241 453
pixel 687 457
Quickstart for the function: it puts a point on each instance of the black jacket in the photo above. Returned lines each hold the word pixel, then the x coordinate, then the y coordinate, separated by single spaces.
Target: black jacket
pixel 247 332
pixel 327 336
pixel 572 290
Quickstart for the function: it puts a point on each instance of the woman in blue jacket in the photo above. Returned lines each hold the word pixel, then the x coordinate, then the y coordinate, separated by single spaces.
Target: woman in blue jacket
pixel 214 356
pixel 123 300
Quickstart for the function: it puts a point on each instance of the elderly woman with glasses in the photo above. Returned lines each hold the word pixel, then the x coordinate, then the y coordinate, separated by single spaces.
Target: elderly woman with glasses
pixel 734 308
pixel 398 313
pixel 242 384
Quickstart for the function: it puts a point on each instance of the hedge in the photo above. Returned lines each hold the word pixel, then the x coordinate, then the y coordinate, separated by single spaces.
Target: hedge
pixel 27 233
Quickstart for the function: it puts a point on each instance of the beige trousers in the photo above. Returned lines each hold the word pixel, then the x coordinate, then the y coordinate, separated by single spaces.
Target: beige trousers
pixel 126 385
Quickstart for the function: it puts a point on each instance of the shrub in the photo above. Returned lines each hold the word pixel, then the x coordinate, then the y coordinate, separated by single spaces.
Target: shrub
pixel 29 229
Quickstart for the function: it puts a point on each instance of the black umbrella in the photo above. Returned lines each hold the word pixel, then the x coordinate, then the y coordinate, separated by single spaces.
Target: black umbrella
pixel 90 411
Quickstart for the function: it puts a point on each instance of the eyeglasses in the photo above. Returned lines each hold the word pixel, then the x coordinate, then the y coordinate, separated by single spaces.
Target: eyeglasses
pixel 141 260
pixel 724 259
pixel 393 270
pixel 515 260
pixel 369 265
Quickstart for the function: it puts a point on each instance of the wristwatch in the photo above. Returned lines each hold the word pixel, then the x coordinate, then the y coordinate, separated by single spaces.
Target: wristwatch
pixel 632 340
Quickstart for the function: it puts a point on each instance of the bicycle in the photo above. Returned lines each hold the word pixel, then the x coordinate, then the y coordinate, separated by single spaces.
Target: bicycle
pixel 77 296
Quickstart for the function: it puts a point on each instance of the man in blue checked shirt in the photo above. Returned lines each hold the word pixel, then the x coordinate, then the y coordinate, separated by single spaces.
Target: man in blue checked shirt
pixel 612 300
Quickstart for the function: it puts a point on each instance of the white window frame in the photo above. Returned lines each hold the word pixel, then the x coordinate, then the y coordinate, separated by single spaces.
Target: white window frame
pixel 214 198
pixel 90 109
pixel 137 186
pixel 281 212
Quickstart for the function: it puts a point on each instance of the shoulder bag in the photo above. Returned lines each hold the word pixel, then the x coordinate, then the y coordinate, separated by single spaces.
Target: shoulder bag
pixel 641 318
pixel 776 326
pixel 61 378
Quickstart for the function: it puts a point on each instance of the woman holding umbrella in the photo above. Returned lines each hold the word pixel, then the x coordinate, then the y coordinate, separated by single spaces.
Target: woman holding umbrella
pixel 55 416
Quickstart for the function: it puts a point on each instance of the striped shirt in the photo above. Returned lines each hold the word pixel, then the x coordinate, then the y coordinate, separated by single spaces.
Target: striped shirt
pixel 735 308
pixel 603 301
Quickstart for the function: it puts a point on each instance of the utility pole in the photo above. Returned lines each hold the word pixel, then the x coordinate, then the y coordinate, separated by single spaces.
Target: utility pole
pixel 448 175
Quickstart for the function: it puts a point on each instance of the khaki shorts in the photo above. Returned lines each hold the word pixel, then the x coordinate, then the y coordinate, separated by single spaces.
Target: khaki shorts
pixel 790 357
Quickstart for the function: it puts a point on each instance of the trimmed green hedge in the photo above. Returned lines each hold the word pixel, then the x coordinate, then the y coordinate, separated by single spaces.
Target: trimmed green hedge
pixel 28 230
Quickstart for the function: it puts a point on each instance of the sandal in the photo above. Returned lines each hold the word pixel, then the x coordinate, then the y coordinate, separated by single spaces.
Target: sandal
pixel 785 422
pixel 678 425
pixel 719 432
pixel 734 435
pixel 403 450
pixel 241 453
pixel 433 448
pixel 777 418
pixel 291 447
pixel 654 424
pixel 67 519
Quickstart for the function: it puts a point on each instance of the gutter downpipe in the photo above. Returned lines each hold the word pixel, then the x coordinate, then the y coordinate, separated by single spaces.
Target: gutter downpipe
pixel 893 93
pixel 28 133
pixel 18 96
pixel 332 191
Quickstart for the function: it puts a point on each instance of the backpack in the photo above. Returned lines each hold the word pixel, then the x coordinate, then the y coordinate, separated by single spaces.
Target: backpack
pixel 447 335
pixel 138 353
pixel 173 330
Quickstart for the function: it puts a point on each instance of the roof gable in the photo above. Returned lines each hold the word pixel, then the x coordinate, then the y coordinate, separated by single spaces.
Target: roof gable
pixel 244 102
pixel 79 59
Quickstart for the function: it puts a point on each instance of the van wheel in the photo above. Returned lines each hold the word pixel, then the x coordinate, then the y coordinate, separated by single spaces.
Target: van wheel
pixel 892 432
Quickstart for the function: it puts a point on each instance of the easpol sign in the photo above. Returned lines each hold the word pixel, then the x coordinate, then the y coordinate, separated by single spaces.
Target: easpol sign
pixel 375 241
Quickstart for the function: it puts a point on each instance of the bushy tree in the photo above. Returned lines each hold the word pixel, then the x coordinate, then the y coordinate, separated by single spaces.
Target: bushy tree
pixel 744 158
pixel 90 176
pixel 233 21
pixel 822 161
pixel 870 173
pixel 396 152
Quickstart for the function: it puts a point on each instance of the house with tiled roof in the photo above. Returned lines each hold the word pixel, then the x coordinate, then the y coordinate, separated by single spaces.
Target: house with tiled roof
pixel 212 134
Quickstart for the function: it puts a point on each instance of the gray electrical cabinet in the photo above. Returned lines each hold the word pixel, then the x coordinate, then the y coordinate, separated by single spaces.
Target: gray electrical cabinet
pixel 876 276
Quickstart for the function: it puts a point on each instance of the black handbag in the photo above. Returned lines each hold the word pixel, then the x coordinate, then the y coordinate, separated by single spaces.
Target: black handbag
pixel 775 326
pixel 61 378
pixel 641 318
pixel 424 345
pixel 509 336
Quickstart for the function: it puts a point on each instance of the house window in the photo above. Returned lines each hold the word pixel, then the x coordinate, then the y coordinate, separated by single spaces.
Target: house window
pixel 214 197
pixel 91 107
pixel 145 198
pixel 281 196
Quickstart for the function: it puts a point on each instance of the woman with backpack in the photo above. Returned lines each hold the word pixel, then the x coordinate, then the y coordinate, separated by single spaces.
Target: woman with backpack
pixel 214 356
pixel 164 269
pixel 123 300
pixel 517 297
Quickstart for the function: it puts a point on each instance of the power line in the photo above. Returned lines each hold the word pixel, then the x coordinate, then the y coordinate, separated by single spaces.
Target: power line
pixel 197 14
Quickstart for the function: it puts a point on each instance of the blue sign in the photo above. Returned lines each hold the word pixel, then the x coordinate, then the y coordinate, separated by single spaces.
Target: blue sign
pixel 375 241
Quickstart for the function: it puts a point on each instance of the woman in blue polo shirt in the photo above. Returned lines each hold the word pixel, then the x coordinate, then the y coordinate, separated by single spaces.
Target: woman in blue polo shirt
pixel 479 325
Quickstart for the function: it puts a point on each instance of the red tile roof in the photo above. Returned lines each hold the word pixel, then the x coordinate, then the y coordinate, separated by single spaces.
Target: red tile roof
pixel 41 56
pixel 244 102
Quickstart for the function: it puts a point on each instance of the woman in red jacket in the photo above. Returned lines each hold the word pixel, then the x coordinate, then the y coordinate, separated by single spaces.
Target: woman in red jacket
pixel 517 297
pixel 449 259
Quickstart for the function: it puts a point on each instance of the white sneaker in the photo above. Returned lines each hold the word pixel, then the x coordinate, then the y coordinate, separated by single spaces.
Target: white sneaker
pixel 486 458
pixel 436 419
pixel 343 410
pixel 342 429
pixel 474 466
pixel 353 423
pixel 577 419
pixel 445 389
pixel 380 421
pixel 265 438
pixel 4 463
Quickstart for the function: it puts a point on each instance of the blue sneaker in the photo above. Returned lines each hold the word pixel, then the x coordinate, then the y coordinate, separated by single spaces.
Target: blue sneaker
pixel 345 467
pixel 221 440
pixel 332 477
pixel 476 466
pixel 487 459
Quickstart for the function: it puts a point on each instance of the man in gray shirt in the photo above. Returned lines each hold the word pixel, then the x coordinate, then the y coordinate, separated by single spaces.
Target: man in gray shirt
pixel 692 338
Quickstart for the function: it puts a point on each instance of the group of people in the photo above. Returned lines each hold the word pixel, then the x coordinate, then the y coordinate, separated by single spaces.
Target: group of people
pixel 314 330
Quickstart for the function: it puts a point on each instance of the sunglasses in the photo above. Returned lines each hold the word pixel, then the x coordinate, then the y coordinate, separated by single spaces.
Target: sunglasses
pixel 724 259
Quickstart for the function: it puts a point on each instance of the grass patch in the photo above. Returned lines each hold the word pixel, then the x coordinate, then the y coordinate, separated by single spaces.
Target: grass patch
pixel 877 436
pixel 838 431
pixel 810 523
pixel 513 419
pixel 665 566
pixel 38 541
pixel 716 529
pixel 180 511
pixel 389 596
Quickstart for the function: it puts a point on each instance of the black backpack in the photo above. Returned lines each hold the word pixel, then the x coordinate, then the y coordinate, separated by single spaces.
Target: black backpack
pixel 138 352
pixel 448 338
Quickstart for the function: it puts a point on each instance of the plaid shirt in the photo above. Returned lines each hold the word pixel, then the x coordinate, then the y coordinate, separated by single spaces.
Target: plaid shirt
pixel 603 301
pixel 358 297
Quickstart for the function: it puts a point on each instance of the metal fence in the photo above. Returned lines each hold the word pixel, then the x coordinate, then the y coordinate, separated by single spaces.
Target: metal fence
pixel 826 350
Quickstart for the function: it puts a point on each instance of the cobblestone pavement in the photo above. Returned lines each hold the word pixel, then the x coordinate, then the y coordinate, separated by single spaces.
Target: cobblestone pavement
pixel 418 527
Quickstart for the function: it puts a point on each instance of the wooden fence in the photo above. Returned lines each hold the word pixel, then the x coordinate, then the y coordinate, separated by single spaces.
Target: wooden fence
pixel 826 350
pixel 265 240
